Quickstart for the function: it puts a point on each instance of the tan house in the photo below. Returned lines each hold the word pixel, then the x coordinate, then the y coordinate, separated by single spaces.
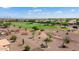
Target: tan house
pixel 4 45
pixel 72 22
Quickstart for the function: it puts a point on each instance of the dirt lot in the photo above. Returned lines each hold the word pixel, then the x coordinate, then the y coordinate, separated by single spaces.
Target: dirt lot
pixel 35 42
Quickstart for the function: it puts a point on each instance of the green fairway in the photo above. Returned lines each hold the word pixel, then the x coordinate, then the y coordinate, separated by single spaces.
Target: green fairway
pixel 30 25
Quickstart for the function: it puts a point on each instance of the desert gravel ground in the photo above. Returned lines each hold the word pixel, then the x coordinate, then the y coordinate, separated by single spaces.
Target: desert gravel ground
pixel 35 44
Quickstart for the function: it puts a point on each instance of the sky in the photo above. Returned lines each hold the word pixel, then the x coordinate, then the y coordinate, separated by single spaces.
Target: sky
pixel 39 12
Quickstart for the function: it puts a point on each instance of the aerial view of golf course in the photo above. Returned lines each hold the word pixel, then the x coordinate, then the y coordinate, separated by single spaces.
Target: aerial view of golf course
pixel 39 29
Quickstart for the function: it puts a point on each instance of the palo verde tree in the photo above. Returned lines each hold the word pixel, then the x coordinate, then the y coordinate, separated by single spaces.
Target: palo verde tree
pixel 47 40
pixel 66 40
pixel 33 31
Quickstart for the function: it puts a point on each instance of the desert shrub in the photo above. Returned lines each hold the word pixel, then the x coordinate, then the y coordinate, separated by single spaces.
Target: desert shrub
pixel 13 38
pixel 27 48
pixel 47 40
pixel 6 24
pixel 42 30
pixel 25 28
pixel 75 27
pixel 19 26
pixel 62 46
pixel 43 46
pixel 64 23
pixel 67 33
pixel 50 36
pixel 35 28
pixel 66 40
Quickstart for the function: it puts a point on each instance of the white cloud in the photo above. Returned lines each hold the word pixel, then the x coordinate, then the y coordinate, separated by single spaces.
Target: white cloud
pixel 6 7
pixel 59 11
pixel 35 10
pixel 72 10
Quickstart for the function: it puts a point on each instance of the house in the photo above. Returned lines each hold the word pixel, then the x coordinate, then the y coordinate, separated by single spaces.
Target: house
pixel 72 22
pixel 4 45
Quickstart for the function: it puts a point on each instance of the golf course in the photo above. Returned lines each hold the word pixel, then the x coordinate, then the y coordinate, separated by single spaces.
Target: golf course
pixel 30 25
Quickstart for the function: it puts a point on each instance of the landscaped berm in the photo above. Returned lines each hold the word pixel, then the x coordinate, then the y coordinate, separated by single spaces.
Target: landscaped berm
pixel 39 35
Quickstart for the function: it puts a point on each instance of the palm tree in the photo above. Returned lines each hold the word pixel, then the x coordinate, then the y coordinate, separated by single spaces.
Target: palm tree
pixel 46 41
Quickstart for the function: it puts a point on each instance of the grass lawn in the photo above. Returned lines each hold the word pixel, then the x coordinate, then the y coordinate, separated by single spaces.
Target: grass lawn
pixel 65 28
pixel 30 25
